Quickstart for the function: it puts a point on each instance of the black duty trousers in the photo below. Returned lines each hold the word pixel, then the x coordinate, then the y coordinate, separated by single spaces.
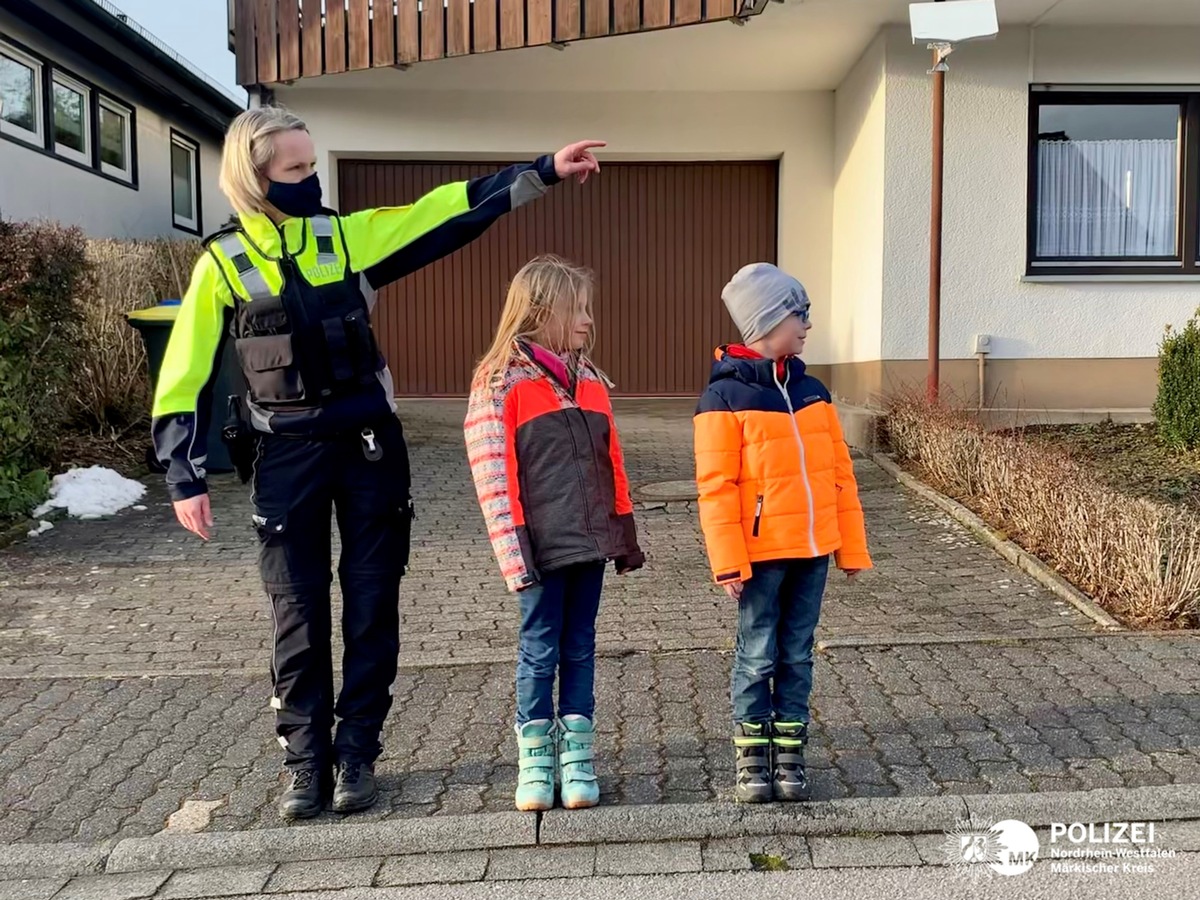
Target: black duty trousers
pixel 298 483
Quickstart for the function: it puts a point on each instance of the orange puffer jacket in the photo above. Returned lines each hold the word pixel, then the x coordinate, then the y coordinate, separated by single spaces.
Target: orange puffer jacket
pixel 775 476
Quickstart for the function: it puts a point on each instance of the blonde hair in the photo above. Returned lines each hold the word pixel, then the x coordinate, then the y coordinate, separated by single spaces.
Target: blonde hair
pixel 542 287
pixel 249 148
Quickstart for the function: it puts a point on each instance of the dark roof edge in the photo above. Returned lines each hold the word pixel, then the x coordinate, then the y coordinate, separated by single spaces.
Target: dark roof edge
pixel 130 33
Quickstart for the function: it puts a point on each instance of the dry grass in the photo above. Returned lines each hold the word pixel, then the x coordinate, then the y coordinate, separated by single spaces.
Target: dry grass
pixel 112 390
pixel 1139 559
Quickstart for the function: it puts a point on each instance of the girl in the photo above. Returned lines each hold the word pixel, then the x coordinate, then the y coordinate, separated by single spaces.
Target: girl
pixel 551 481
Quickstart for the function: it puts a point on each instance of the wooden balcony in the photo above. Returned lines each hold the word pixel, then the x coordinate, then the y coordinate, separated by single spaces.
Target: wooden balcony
pixel 278 41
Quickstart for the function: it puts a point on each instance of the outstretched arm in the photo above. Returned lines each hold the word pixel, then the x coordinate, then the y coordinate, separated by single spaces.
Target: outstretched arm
pixel 387 243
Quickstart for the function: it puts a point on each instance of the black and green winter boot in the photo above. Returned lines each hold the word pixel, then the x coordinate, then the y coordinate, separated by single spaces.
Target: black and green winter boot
pixel 788 740
pixel 752 757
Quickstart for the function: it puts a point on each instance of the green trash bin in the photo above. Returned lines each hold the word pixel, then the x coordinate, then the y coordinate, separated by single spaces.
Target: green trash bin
pixel 155 324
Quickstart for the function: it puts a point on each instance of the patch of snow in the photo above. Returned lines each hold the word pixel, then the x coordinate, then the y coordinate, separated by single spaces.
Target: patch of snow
pixel 42 527
pixel 139 508
pixel 91 493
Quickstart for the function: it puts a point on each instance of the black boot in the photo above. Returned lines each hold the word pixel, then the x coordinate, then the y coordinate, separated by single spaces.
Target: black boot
pixel 752 757
pixel 356 788
pixel 306 795
pixel 791 779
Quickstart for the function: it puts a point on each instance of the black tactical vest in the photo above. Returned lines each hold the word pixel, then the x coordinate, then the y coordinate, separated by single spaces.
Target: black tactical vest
pixel 301 322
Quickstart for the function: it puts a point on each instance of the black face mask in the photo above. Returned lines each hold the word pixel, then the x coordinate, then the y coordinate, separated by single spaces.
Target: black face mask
pixel 301 199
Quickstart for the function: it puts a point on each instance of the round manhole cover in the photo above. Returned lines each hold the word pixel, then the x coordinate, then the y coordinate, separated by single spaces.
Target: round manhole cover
pixel 668 491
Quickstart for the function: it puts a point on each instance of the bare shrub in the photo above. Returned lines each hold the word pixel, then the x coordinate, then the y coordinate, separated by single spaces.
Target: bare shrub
pixel 41 268
pixel 112 388
pixel 1138 559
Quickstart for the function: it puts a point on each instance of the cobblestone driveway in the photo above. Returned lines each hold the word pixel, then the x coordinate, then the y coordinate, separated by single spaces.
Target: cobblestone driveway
pixel 133 660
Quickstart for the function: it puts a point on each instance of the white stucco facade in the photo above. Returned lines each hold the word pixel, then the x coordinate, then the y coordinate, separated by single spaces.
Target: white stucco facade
pixel 856 316
pixel 983 289
pixel 39 185
pixel 846 110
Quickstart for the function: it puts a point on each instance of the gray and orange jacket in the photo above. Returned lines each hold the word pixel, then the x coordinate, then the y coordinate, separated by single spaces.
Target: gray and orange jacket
pixel 548 468
pixel 775 476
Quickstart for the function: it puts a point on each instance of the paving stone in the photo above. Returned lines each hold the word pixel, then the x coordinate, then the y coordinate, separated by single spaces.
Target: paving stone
pixel 861 768
pixel 640 789
pixel 522 863
pixel 648 859
pixel 1005 777
pixel 323 875
pixel 855 852
pixel 432 868
pixel 933 849
pixel 133 886
pixel 31 889
pixel 726 855
pixel 227 881
pixel 115 598
pixel 738 854
pixel 950 765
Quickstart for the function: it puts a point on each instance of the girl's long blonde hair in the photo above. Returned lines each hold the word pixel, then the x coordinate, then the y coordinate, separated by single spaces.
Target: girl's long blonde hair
pixel 249 148
pixel 543 286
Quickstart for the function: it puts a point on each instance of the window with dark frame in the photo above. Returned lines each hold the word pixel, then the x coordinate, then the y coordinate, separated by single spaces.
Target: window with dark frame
pixel 21 95
pixel 55 112
pixel 185 183
pixel 71 120
pixel 116 139
pixel 1113 183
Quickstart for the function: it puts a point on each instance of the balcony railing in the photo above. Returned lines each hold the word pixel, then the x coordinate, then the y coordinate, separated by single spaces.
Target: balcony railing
pixel 282 40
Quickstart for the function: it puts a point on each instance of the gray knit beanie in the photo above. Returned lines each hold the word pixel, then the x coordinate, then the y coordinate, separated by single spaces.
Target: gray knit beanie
pixel 760 296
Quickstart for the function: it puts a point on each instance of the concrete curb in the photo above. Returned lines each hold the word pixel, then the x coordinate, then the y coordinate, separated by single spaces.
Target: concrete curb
pixel 484 831
pixel 1020 558
pixel 681 821
pixel 21 861
pixel 1158 803
pixel 865 817
pixel 1013 637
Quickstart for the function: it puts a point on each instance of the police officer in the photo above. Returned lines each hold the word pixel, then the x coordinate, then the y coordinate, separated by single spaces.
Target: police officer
pixel 293 284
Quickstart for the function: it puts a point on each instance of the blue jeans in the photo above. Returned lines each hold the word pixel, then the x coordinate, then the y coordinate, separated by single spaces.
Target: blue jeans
pixel 558 631
pixel 777 616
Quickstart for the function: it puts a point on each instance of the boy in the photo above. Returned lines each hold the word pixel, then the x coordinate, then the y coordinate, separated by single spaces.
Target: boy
pixel 777 497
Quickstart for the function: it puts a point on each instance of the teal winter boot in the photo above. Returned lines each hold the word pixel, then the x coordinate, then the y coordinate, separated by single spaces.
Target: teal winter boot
pixel 576 736
pixel 535 776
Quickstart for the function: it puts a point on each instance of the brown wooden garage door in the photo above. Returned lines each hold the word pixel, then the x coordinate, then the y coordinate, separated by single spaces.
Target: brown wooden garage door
pixel 662 238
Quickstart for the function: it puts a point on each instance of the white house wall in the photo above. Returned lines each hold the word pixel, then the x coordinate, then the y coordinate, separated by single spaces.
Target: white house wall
pixel 795 127
pixel 985 199
pixel 35 185
pixel 855 323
